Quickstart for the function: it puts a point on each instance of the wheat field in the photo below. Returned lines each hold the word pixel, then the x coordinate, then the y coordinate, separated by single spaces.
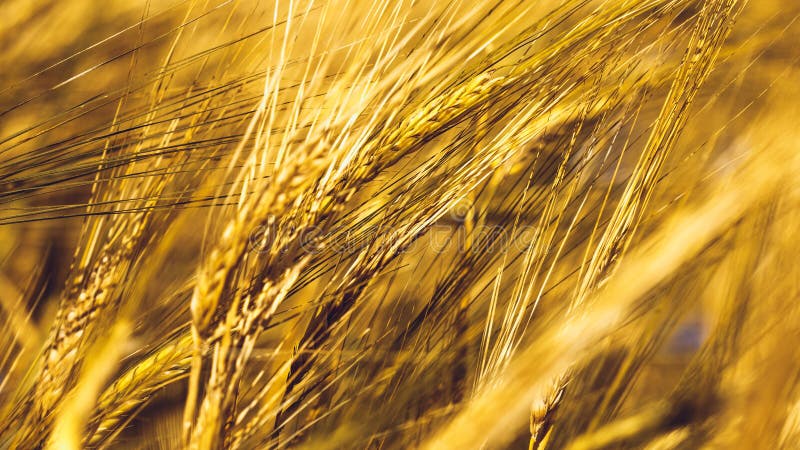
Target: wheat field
pixel 391 224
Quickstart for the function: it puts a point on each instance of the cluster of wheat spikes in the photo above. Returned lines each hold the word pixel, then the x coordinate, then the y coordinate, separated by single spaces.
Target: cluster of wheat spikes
pixel 336 224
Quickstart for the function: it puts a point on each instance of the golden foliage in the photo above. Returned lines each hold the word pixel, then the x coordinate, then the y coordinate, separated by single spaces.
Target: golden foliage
pixel 394 223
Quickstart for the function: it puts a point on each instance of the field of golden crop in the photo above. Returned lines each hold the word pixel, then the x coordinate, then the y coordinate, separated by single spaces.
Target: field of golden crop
pixel 392 224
